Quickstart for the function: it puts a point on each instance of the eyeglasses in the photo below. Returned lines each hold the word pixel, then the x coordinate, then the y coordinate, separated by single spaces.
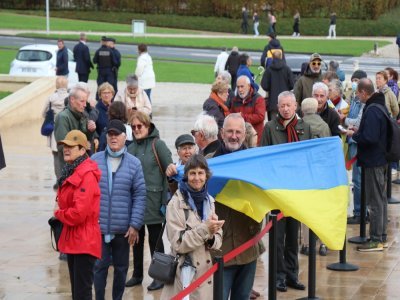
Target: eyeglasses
pixel 316 63
pixel 138 127
pixel 193 132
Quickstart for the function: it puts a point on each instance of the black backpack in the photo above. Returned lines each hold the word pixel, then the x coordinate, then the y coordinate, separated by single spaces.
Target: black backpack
pixel 393 142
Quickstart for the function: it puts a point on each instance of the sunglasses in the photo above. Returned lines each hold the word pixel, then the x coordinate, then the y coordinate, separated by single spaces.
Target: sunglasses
pixel 138 127
pixel 193 132
pixel 316 63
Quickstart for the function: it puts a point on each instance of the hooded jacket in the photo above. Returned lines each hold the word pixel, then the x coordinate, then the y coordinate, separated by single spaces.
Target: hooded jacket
pixel 303 87
pixel 156 183
pixel 278 77
pixel 79 205
pixel 265 56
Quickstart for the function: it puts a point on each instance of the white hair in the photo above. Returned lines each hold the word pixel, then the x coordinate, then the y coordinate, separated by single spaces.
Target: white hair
pixel 286 94
pixel 320 86
pixel 207 125
pixel 79 87
pixel 246 78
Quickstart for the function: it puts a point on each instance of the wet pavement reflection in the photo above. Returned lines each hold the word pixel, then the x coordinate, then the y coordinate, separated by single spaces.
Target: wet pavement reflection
pixel 30 269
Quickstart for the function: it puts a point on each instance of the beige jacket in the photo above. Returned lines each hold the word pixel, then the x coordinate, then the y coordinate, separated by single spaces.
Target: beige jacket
pixel 57 105
pixel 193 242
pixel 141 103
pixel 391 102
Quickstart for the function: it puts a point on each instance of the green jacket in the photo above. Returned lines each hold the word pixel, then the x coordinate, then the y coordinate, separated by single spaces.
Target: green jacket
pixel 274 133
pixel 156 183
pixel 303 86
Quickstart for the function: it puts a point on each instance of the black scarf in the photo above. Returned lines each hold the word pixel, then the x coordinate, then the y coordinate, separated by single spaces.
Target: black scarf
pixel 68 169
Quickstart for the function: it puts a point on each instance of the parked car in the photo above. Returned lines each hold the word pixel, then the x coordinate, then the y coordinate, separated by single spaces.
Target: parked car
pixel 40 60
pixel 298 63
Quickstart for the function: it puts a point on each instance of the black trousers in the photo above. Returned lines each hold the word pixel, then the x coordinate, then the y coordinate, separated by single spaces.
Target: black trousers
pixel 138 249
pixel 80 268
pixel 287 235
pixel 83 77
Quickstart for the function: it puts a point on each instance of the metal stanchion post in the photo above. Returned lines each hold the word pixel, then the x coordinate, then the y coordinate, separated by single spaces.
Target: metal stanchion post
pixel 273 249
pixel 363 212
pixel 311 267
pixel 390 199
pixel 342 265
pixel 218 289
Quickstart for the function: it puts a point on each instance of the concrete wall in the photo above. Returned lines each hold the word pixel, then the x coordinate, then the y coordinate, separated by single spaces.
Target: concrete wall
pixel 26 104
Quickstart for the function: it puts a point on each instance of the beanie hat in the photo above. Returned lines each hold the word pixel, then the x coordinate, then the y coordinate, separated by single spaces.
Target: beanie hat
pixel 359 74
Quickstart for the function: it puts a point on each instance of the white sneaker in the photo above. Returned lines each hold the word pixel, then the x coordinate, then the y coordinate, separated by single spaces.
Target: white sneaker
pixel 394 172
pixel 294 34
pixel 298 35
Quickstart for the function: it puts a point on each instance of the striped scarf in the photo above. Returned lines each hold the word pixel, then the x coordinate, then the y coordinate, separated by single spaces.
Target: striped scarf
pixel 290 126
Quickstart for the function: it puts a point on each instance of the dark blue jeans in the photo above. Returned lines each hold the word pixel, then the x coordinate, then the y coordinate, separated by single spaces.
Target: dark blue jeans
pixel 148 92
pixel 238 281
pixel 356 178
pixel 118 248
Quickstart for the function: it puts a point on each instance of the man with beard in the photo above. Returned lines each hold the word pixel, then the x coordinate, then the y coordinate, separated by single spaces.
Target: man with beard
pixel 303 87
pixel 328 114
pixel 287 128
pixel 238 228
pixel 249 104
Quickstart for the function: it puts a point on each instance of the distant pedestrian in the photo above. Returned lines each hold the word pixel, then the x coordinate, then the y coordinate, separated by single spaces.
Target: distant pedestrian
pixel 62 59
pixel 296 24
pixel 117 63
pixel 245 22
pixel 332 26
pixel 82 59
pixel 273 22
pixel 256 23
pixel 232 65
pixel 269 18
pixel 274 45
pixel 144 70
pixel 221 62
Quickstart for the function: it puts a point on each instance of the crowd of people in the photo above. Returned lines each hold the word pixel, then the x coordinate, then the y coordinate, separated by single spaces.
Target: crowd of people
pixel 115 173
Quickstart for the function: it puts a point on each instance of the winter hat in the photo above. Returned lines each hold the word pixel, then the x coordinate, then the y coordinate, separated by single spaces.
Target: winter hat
pixel 359 74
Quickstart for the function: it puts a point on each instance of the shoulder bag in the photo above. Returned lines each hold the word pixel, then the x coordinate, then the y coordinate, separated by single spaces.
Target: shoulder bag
pixel 55 231
pixel 48 123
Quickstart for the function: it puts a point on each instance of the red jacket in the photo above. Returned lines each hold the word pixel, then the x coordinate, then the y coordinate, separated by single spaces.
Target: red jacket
pixel 79 203
pixel 252 109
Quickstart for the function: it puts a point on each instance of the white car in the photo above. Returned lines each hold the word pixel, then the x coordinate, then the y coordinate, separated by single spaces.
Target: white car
pixel 40 60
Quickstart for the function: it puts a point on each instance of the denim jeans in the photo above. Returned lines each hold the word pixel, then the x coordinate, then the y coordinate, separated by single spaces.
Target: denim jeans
pixel 375 192
pixel 118 248
pixel 148 93
pixel 356 178
pixel 238 280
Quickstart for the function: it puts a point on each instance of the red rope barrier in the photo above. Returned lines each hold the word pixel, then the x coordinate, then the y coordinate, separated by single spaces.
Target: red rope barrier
pixel 227 257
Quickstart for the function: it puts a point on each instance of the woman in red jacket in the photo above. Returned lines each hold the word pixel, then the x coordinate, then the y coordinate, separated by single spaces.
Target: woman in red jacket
pixel 77 207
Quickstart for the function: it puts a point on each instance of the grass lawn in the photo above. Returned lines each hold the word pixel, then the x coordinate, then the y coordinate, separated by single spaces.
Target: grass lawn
pixel 322 46
pixel 17 21
pixel 4 94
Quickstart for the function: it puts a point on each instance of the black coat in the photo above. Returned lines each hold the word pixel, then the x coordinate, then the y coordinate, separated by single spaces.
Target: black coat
pixel 2 159
pixel 82 58
pixel 62 62
pixel 232 63
pixel 277 78
pixel 331 117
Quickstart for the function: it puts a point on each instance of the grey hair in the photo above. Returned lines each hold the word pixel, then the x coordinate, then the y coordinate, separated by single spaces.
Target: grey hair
pixel 244 76
pixel 236 116
pixel 207 125
pixel 79 87
pixel 226 76
pixel 320 86
pixel 286 94
pixel 336 85
pixel 132 80
pixel 309 106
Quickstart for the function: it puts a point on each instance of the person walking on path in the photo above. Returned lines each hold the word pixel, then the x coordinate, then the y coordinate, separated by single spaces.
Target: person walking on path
pixel 62 59
pixel 245 21
pixel 232 65
pixel 220 64
pixel 144 70
pixel 332 26
pixel 256 23
pixel 296 24
pixel 82 58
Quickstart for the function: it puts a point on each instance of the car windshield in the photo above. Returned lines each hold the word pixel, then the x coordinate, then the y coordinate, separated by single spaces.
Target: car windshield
pixel 33 55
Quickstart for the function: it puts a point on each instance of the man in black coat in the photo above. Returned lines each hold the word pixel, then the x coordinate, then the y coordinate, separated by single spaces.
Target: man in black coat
pixel 232 65
pixel 105 60
pixel 278 77
pixel 82 59
pixel 117 56
pixel 62 59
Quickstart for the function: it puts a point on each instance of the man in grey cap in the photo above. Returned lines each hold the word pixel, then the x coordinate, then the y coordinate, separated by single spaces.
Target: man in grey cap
pixel 122 207
pixel 303 86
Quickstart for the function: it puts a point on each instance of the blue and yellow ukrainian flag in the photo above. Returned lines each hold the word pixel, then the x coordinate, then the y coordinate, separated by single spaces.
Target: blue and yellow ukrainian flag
pixel 305 180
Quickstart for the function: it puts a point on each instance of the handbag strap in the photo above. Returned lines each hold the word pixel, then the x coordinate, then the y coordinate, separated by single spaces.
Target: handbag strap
pixel 186 211
pixel 153 146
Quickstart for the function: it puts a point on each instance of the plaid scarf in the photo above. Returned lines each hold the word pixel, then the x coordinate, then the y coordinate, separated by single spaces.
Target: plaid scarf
pixel 290 127
pixel 68 169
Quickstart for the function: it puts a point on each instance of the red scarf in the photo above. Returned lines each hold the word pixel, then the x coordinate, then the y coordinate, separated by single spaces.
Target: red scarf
pixel 336 101
pixel 290 126
pixel 220 103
